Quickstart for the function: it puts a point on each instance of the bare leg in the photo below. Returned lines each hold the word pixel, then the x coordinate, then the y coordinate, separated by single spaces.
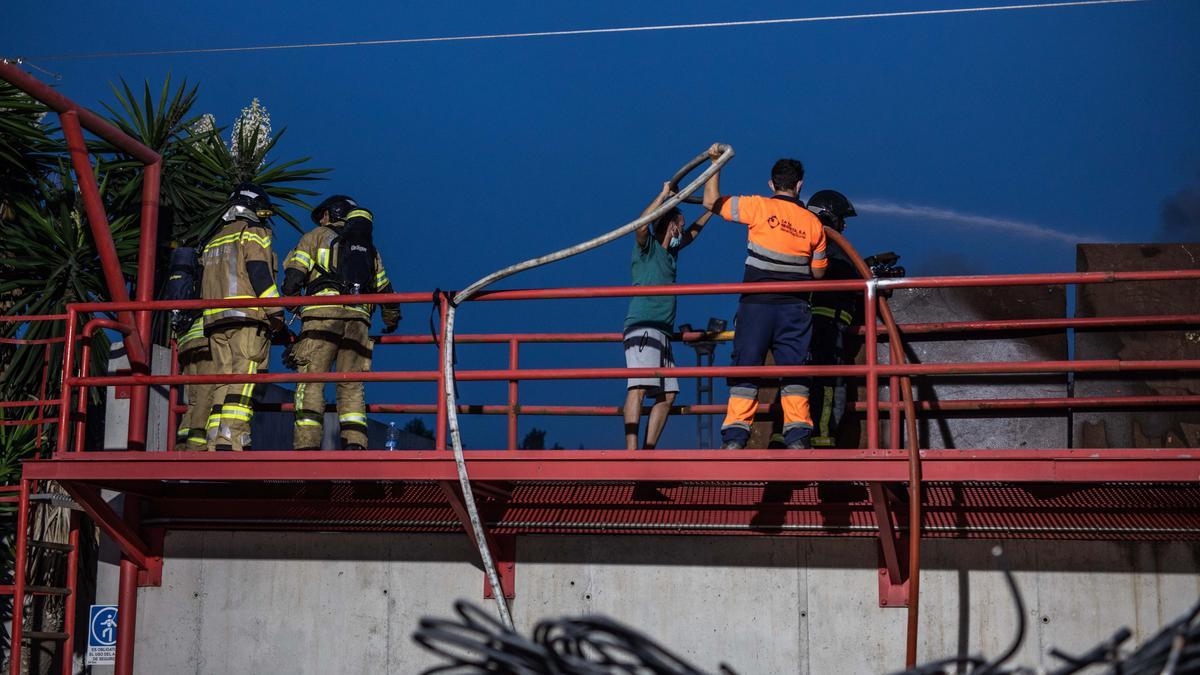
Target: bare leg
pixel 633 416
pixel 658 418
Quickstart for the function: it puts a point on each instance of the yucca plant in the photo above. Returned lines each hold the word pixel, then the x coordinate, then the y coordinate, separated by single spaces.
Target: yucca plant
pixel 27 154
pixel 50 261
pixel 187 192
pixel 199 169
pixel 26 147
pixel 48 257
pixel 246 159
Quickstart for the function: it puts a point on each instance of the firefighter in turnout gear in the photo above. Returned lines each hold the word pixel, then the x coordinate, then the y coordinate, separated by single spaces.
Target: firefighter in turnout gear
pixel 833 313
pixel 239 263
pixel 338 257
pixel 195 358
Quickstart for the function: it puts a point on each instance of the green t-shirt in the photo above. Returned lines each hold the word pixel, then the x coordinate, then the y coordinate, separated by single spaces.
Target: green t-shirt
pixel 653 265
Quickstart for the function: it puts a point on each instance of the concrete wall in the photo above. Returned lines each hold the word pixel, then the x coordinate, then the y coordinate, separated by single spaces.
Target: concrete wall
pixel 348 603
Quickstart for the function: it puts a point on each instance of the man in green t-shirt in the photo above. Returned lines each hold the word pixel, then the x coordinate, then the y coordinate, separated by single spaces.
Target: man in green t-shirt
pixel 651 319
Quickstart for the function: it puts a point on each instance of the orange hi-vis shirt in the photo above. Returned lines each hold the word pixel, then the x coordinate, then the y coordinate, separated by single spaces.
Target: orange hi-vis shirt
pixel 786 242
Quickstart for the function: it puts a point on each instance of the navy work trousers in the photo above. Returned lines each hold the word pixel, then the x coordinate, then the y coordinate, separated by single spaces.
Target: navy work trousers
pixel 784 329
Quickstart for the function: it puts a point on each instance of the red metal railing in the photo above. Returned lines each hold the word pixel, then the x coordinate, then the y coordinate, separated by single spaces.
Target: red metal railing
pixel 74 120
pixel 574 465
pixel 871 371
pixel 48 410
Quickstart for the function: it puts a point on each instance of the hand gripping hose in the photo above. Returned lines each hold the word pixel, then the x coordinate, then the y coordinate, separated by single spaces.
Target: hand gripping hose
pixel 489 566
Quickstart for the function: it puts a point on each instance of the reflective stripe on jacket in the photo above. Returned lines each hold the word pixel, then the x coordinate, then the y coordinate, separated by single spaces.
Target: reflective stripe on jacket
pixel 194 337
pixel 225 260
pixel 785 241
pixel 315 256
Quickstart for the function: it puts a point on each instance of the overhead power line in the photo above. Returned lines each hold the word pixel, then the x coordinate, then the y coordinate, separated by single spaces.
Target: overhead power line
pixel 583 31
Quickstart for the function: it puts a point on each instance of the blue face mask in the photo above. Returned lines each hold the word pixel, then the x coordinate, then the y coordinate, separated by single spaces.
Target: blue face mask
pixel 675 242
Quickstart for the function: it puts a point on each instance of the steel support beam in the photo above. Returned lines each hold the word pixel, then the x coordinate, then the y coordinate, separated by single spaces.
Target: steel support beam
pixel 126 537
pixel 893 573
pixel 1008 465
pixel 503 549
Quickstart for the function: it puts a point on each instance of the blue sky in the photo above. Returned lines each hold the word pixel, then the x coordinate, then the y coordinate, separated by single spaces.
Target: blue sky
pixel 474 155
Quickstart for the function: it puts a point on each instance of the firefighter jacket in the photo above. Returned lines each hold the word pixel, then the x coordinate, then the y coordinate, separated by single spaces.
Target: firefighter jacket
pixel 311 267
pixel 193 337
pixel 239 263
pixel 842 306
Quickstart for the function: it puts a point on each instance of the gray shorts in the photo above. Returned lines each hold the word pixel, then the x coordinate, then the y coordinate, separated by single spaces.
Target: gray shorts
pixel 650 348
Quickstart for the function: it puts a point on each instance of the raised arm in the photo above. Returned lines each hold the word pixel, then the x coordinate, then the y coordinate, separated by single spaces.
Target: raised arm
pixel 643 232
pixel 696 228
pixel 712 189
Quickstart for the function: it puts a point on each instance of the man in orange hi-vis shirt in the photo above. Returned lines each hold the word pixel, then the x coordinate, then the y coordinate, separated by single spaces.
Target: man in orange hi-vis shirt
pixel 786 243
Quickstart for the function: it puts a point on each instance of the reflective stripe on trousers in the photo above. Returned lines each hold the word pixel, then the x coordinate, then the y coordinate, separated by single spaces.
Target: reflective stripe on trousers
pixel 784 329
pixel 325 344
pixel 237 349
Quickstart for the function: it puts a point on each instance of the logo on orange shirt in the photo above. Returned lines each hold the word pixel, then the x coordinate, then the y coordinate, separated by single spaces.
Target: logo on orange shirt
pixel 775 221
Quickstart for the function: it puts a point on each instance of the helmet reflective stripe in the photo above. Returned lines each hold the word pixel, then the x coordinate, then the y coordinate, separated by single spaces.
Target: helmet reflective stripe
pixel 239 212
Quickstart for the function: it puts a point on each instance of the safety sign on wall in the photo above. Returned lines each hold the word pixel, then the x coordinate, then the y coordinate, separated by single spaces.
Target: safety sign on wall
pixel 102 635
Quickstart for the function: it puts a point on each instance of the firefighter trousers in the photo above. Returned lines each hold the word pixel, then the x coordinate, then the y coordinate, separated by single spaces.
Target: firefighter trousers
pixel 784 329
pixel 193 427
pixel 828 397
pixel 323 345
pixel 236 349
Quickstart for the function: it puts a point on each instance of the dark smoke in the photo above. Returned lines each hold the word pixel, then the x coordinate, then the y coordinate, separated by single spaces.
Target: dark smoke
pixel 1181 215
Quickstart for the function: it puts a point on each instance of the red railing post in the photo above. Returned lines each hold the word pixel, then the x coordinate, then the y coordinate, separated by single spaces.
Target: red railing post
pixel 17 632
pixel 513 357
pixel 127 597
pixel 872 358
pixel 85 360
pixel 110 264
pixel 64 408
pixel 71 602
pixel 139 397
pixel 440 432
pixel 126 616
pixel 894 406
pixel 173 399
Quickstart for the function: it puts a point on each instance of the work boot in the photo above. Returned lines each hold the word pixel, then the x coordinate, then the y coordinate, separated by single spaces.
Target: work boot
pixel 734 445
pixel 354 446
pixel 801 444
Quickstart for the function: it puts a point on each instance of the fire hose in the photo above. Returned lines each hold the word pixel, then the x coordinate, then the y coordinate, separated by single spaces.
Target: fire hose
pixel 897 355
pixel 464 480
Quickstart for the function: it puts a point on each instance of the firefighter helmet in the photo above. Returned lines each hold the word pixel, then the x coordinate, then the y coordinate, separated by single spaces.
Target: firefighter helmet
pixel 832 208
pixel 337 206
pixel 253 198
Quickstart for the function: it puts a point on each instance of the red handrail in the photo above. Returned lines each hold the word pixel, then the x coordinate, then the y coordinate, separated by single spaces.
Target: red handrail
pixel 514 374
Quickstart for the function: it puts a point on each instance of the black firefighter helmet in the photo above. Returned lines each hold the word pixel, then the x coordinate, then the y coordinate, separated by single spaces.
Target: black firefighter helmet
pixel 338 207
pixel 832 208
pixel 253 198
